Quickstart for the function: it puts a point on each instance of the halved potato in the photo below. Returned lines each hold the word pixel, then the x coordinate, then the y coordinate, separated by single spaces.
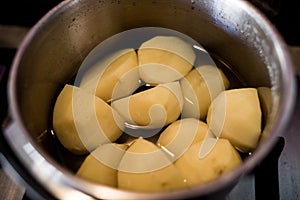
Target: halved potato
pixel 101 165
pixel 152 108
pixel 236 115
pixel 114 76
pixel 179 135
pixel 165 59
pixel 145 167
pixel 83 121
pixel 199 88
pixel 220 157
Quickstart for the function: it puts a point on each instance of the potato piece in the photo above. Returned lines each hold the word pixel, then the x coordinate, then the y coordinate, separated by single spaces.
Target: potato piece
pixel 152 108
pixel 164 59
pixel 145 167
pixel 113 77
pixel 236 115
pixel 221 157
pixel 265 98
pixel 83 121
pixel 179 135
pixel 101 165
pixel 199 88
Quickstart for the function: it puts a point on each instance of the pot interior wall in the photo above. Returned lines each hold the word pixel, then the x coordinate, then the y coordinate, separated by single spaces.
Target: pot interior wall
pixel 60 43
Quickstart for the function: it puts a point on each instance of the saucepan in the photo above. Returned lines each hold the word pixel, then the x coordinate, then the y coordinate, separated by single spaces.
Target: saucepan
pixel 236 35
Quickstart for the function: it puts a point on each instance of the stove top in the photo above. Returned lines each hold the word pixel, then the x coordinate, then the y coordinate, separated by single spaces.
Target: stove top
pixel 278 176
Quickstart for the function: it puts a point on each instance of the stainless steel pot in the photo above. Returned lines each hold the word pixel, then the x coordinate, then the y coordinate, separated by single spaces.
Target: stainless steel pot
pixel 49 56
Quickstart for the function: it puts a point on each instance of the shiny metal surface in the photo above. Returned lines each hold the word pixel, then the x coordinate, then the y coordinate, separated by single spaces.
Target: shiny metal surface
pixel 52 51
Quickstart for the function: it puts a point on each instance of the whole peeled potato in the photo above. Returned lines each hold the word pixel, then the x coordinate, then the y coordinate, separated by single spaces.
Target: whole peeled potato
pixel 181 134
pixel 101 165
pixel 236 115
pixel 164 59
pixel 199 88
pixel 219 157
pixel 82 121
pixel 146 168
pixel 153 108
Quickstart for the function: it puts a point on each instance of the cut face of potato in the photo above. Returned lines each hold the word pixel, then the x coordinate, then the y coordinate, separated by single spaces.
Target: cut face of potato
pixel 83 121
pixel 199 88
pixel 179 135
pixel 145 167
pixel 113 77
pixel 153 108
pixel 102 164
pixel 221 158
pixel 236 115
pixel 164 59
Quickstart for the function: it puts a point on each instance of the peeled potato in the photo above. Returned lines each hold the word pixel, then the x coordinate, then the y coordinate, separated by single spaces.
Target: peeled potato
pixel 114 77
pixel 101 165
pixel 236 115
pixel 220 158
pixel 179 135
pixel 165 59
pixel 199 88
pixel 153 108
pixel 265 98
pixel 145 167
pixel 82 121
